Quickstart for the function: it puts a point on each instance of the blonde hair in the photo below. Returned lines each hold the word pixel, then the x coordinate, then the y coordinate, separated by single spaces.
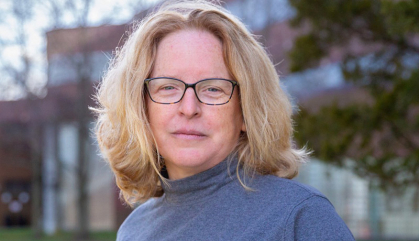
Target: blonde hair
pixel 123 130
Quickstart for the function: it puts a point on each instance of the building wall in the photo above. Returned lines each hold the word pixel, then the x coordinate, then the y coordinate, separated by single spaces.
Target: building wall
pixel 63 68
pixel 347 192
pixel 60 191
pixel 15 175
pixel 74 54
pixel 101 186
pixel 400 216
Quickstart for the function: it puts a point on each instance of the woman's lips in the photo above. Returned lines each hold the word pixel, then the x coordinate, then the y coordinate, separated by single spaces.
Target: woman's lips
pixel 189 134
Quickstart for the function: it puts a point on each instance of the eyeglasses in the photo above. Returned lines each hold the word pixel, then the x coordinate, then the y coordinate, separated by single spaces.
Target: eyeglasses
pixel 213 91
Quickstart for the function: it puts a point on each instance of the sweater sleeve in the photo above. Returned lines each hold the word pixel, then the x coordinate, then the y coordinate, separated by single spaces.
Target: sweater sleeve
pixel 316 219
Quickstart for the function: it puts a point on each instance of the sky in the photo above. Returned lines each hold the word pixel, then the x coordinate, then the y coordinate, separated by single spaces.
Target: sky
pixel 120 11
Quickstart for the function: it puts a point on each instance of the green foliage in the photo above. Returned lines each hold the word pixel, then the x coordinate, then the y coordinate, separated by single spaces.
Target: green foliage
pixel 311 51
pixel 25 234
pixel 402 17
pixel 382 132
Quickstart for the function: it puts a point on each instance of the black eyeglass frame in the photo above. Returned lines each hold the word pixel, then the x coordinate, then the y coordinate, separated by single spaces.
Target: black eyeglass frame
pixel 146 82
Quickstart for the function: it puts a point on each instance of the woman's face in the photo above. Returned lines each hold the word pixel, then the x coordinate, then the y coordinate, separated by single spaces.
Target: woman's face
pixel 191 136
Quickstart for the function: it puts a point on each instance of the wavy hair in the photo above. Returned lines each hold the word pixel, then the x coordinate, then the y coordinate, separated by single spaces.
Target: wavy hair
pixel 123 130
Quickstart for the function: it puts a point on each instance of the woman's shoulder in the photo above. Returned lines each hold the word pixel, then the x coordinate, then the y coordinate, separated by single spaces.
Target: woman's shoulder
pixel 136 219
pixel 281 195
pixel 304 208
pixel 284 189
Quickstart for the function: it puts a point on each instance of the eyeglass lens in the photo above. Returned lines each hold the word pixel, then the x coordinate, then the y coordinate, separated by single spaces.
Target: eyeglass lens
pixel 210 91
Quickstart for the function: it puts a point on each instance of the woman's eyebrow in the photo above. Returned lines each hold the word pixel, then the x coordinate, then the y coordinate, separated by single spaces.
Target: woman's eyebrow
pixel 166 75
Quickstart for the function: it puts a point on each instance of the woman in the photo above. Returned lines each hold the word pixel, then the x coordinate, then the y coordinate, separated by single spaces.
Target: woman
pixel 194 124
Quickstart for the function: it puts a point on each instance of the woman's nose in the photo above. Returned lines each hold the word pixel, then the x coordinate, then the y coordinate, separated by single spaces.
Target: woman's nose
pixel 190 105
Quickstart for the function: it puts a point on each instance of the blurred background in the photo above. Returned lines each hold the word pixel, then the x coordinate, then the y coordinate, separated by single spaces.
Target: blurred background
pixel 350 68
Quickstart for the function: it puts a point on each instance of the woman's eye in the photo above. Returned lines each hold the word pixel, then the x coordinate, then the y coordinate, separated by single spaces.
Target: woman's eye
pixel 212 89
pixel 167 87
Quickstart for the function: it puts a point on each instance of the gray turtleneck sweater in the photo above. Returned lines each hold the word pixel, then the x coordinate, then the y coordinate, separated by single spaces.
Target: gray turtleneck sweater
pixel 212 205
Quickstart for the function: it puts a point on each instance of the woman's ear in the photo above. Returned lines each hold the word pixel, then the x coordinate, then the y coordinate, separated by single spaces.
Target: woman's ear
pixel 243 127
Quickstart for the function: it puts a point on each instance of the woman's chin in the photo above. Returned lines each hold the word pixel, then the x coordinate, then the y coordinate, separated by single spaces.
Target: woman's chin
pixel 188 165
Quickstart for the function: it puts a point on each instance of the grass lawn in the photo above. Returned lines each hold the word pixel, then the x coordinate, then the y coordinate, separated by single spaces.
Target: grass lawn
pixel 26 234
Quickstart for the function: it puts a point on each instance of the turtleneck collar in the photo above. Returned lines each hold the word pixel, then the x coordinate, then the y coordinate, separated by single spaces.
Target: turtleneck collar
pixel 201 185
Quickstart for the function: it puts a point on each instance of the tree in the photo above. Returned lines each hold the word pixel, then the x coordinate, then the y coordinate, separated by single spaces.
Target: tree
pixel 17 80
pixel 17 77
pixel 381 133
pixel 260 16
pixel 82 64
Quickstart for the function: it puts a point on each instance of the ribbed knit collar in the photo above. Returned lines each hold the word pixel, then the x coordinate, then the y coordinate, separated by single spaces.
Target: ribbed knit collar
pixel 202 185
